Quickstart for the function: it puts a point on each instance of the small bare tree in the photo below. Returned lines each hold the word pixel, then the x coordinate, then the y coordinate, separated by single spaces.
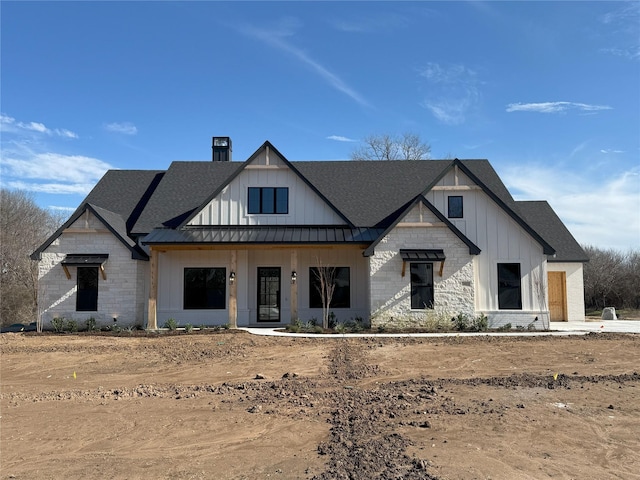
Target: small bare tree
pixel 408 146
pixel 326 285
pixel 540 290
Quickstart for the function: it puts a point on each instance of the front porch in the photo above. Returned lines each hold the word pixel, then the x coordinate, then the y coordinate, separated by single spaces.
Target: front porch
pixel 253 285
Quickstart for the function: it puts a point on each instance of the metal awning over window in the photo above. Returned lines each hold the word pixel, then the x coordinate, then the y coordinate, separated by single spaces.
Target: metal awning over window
pixel 85 260
pixel 422 256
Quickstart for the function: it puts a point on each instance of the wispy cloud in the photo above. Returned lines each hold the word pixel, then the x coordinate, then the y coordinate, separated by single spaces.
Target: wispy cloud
pixel 57 208
pixel 339 138
pixel 50 172
pixel 277 38
pixel 607 151
pixel 555 107
pixel 454 92
pixel 603 212
pixel 622 24
pixel 126 128
pixel 11 125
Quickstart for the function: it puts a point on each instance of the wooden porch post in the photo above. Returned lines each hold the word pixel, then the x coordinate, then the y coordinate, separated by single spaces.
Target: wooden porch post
pixel 233 293
pixel 152 321
pixel 294 286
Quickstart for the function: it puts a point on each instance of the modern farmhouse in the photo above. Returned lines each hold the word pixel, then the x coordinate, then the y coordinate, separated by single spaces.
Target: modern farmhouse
pixel 241 243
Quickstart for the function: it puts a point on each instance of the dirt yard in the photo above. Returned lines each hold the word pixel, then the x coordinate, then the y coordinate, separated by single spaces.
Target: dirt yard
pixel 237 406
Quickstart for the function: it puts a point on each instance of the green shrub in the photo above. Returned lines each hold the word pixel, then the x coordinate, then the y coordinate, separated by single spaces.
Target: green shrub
pixel 91 324
pixel 504 328
pixel 332 319
pixel 188 328
pixel 340 327
pixel 171 324
pixel 225 326
pixel 58 324
pixel 460 322
pixel 480 323
pixel 71 325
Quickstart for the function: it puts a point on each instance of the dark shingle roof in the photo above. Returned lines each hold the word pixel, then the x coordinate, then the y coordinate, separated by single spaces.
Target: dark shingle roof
pixel 544 220
pixel 118 198
pixel 368 194
pixel 124 192
pixel 183 188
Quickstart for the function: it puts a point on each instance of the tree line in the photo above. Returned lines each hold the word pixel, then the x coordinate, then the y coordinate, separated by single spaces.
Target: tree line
pixel 24 226
pixel 611 278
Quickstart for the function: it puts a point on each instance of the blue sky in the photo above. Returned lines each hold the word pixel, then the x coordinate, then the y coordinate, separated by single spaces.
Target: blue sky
pixel 547 91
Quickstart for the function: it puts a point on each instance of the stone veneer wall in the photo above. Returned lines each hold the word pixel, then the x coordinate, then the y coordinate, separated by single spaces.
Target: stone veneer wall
pixel 121 295
pixel 391 292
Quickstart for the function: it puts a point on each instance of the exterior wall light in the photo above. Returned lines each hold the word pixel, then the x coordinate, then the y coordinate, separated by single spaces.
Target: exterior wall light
pixel 294 276
pixel 232 278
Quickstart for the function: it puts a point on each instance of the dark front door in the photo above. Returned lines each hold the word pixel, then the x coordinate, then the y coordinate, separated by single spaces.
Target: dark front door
pixel 268 294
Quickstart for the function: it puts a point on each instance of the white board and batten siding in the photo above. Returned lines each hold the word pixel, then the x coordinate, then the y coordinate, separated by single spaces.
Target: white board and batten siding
pixel 501 240
pixel 171 264
pixel 171 267
pixel 231 205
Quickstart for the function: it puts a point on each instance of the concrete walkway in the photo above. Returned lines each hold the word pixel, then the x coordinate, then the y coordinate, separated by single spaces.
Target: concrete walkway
pixel 557 329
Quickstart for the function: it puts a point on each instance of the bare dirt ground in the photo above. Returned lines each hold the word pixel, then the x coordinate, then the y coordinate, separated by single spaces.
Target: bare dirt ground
pixel 236 406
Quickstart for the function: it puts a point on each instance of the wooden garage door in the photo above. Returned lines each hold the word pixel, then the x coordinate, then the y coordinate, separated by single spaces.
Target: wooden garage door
pixel 558 296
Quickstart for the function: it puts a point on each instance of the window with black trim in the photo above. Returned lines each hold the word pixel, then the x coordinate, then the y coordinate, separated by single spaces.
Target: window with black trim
pixel 268 200
pixel 509 286
pixel 205 288
pixel 341 293
pixel 87 294
pixel 455 206
pixel 421 286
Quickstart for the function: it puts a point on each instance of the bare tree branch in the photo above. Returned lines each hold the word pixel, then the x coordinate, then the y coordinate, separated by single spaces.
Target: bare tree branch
pixel 23 228
pixel 408 146
pixel 326 276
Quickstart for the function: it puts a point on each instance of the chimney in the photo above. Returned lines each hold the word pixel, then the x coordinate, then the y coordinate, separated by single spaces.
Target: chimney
pixel 221 147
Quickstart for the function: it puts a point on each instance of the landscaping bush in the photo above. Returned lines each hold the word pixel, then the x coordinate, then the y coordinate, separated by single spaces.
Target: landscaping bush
pixel 171 324
pixel 58 324
pixel 91 324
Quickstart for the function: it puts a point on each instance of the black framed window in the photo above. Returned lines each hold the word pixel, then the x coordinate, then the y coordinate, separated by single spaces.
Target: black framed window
pixel 341 293
pixel 205 288
pixel 421 285
pixel 455 206
pixel 268 200
pixel 509 286
pixel 87 294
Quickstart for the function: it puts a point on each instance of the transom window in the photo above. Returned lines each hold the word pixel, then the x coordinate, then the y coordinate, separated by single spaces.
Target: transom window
pixel 205 288
pixel 455 206
pixel 268 200
pixel 509 286
pixel 340 276
pixel 421 285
